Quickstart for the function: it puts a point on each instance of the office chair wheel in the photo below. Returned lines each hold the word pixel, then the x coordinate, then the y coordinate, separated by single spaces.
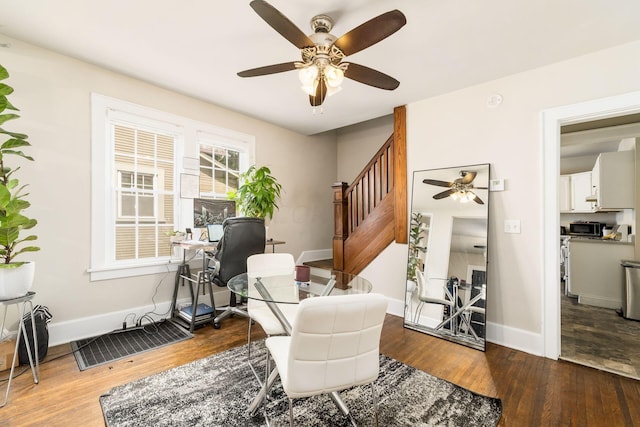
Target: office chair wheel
pixel 216 326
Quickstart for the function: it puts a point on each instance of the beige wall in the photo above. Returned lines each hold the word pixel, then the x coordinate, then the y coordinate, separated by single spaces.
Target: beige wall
pixel 358 143
pixel 53 92
pixel 458 128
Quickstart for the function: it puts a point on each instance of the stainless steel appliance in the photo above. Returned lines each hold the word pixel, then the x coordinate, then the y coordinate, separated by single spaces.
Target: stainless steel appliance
pixel 586 228
pixel 631 303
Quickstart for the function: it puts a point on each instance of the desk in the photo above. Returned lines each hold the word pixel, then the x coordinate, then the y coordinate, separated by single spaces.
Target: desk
pixel 21 303
pixel 273 244
pixel 200 280
pixel 275 290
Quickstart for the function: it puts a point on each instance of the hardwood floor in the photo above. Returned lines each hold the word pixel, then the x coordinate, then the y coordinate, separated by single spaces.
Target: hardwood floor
pixel 599 337
pixel 534 391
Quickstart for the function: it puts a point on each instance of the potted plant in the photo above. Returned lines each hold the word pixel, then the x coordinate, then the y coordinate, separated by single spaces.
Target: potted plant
pixel 16 277
pixel 415 239
pixel 258 193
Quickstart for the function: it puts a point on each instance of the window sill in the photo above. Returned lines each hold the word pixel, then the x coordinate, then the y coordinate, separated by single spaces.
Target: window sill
pixel 117 272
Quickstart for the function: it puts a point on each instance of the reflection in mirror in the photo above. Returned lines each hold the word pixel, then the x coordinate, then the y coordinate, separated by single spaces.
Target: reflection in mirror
pixel 447 259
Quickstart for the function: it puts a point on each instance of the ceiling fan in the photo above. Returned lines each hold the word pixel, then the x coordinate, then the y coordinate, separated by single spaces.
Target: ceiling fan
pixel 322 69
pixel 459 188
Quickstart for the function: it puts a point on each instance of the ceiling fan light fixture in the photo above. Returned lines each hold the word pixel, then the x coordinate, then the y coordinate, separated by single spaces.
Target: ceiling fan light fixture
pixel 334 76
pixel 333 90
pixel 310 89
pixel 322 67
pixel 308 74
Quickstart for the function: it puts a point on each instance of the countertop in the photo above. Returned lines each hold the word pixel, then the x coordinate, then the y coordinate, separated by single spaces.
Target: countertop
pixel 595 240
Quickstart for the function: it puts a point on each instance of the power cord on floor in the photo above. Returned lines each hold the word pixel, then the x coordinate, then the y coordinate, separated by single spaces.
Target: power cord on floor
pixel 138 321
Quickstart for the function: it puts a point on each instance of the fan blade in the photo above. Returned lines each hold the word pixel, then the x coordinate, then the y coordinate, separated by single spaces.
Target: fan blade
pixel 281 24
pixel 468 177
pixel 370 77
pixel 437 182
pixel 444 194
pixel 478 200
pixel 269 69
pixel 371 32
pixel 321 93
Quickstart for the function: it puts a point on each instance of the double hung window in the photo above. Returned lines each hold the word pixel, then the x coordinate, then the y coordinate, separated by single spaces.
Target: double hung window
pixel 138 157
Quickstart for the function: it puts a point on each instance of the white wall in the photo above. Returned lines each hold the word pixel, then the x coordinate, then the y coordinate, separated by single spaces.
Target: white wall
pixel 458 129
pixel 53 93
pixel 358 143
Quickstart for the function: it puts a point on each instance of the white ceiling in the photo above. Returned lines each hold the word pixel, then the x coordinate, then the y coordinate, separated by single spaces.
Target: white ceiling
pixel 196 47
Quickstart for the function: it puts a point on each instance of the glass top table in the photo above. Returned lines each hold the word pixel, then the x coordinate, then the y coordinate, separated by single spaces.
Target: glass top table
pixel 283 289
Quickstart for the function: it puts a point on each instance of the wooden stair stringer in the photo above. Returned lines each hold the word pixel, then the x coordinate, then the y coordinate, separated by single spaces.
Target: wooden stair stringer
pixel 371 237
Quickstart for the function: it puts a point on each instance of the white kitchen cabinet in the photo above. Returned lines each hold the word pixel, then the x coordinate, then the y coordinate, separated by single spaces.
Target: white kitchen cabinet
pixel 565 193
pixel 595 273
pixel 580 190
pixel 613 181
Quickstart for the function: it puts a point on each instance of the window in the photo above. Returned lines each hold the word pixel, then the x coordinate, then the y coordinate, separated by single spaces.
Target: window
pixel 139 155
pixel 219 170
pixel 132 188
pixel 144 170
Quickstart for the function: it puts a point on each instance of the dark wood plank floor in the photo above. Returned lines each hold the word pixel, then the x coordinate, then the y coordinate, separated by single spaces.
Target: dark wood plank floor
pixel 534 391
pixel 599 337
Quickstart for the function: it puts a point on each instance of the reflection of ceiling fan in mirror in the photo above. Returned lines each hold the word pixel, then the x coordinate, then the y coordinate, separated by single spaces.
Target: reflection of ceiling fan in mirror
pixel 459 189
pixel 321 70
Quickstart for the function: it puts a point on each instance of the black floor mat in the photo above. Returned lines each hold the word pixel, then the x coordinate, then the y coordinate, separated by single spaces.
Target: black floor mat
pixel 106 348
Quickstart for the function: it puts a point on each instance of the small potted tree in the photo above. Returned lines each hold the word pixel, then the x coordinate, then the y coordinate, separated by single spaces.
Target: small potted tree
pixel 16 277
pixel 258 193
pixel 415 247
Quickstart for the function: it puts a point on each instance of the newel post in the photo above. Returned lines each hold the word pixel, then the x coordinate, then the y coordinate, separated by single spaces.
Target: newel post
pixel 340 232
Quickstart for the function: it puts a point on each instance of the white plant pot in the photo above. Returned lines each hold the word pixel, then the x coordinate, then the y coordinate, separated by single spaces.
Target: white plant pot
pixel 16 282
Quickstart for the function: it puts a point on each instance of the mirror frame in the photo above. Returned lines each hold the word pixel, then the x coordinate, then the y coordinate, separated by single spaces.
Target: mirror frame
pixel 445 295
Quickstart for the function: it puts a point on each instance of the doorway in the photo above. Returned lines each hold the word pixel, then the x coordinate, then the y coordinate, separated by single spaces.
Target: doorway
pixel 552 120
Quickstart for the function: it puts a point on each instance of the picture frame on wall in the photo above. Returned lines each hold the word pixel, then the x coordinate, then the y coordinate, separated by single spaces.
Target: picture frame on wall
pixel 212 211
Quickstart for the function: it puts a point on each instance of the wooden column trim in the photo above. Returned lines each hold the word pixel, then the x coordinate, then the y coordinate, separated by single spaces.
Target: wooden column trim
pixel 341 231
pixel 401 230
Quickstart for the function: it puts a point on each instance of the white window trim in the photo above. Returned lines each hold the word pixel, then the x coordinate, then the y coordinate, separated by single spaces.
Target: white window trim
pixel 188 133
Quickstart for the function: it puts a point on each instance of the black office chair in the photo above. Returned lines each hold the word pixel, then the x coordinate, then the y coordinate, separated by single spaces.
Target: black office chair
pixel 242 237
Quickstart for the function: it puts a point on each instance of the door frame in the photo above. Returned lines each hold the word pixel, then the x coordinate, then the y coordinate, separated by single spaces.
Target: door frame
pixel 551 121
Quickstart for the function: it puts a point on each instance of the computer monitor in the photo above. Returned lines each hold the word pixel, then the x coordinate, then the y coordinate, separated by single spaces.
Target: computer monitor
pixel 215 232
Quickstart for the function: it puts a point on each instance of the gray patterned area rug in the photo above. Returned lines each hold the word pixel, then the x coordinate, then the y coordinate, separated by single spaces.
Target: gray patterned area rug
pixel 215 391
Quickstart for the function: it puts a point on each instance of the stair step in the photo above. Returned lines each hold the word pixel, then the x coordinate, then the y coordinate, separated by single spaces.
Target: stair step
pixel 324 264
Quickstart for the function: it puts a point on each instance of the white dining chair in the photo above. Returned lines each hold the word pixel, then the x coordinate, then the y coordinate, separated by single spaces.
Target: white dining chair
pixel 432 291
pixel 265 266
pixel 334 345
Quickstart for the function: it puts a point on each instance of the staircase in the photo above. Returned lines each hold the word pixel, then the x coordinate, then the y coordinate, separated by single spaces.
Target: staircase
pixel 371 213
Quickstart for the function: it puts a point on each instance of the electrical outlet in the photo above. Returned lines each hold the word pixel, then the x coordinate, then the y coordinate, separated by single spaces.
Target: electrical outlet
pixel 512 226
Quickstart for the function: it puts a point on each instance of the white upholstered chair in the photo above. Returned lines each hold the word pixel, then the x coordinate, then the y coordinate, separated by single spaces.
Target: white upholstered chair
pixel 263 266
pixel 334 345
pixel 432 291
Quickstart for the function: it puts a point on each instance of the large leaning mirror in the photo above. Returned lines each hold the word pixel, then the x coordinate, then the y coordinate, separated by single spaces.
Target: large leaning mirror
pixel 446 268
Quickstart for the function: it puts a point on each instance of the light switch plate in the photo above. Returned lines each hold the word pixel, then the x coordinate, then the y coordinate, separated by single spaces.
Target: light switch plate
pixel 496 184
pixel 512 226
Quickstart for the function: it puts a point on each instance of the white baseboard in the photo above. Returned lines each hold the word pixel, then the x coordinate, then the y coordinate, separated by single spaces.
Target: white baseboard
pixel 514 338
pixel 72 330
pixel 65 332
pixel 600 301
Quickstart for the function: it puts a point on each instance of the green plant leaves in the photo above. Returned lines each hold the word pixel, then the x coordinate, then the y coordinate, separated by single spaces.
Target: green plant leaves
pixel 257 195
pixel 12 195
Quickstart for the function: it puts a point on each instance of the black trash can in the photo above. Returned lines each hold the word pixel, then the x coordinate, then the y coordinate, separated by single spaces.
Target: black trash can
pixel 631 295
